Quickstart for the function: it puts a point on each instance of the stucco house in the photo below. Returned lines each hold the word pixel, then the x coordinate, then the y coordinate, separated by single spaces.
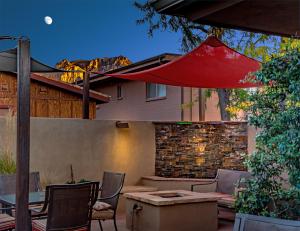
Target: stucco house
pixel 141 101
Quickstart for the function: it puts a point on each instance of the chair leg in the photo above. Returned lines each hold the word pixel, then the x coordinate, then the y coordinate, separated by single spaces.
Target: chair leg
pixel 100 225
pixel 115 224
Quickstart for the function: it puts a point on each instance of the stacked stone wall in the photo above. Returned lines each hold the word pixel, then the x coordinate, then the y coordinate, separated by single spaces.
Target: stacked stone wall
pixel 198 150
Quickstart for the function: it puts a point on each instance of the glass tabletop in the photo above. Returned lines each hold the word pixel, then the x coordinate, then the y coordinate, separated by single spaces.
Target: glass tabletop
pixel 34 198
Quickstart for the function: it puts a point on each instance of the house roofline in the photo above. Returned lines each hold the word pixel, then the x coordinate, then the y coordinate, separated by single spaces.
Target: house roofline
pixel 134 67
pixel 97 96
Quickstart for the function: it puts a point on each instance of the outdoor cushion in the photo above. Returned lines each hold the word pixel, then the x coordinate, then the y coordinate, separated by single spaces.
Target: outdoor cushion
pixel 101 206
pixel 40 225
pixel 6 222
pixel 103 214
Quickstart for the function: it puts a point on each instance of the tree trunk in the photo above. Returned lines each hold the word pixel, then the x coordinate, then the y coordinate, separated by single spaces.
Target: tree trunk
pixel 224 102
pixel 223 94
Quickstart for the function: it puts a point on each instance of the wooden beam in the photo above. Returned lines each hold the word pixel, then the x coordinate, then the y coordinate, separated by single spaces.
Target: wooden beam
pixel 86 96
pixel 23 222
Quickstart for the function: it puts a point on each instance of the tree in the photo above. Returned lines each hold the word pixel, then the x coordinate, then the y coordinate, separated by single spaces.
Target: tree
pixel 275 109
pixel 252 44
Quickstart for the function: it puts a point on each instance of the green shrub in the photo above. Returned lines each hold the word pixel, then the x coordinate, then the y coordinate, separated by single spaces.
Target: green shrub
pixel 275 109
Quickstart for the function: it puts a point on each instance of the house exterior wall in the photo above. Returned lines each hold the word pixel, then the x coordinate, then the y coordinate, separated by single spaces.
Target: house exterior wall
pixel 46 101
pixel 134 105
pixel 212 111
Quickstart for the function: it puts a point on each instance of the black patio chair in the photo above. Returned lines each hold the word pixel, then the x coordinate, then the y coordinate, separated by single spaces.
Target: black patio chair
pixel 68 207
pixel 106 206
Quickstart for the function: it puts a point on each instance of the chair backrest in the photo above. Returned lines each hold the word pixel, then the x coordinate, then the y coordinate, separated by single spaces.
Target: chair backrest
pixel 246 222
pixel 8 183
pixel 70 206
pixel 112 184
pixel 227 180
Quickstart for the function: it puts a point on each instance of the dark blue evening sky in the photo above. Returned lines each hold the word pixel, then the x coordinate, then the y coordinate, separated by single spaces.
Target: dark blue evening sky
pixel 82 29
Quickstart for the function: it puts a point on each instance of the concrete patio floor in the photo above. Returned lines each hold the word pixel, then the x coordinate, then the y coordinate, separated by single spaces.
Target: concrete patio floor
pixel 121 222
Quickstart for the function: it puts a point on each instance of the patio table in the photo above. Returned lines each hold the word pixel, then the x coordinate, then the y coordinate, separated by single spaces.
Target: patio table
pixel 9 200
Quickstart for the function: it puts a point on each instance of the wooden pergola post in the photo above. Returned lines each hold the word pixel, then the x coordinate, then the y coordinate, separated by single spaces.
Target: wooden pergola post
pixel 23 222
pixel 86 96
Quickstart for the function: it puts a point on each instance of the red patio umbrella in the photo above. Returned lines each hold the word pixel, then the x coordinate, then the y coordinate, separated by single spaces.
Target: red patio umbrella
pixel 211 65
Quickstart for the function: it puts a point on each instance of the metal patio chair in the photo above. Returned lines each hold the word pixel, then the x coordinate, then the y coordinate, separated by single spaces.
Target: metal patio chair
pixel 106 206
pixel 227 181
pixel 68 207
pixel 247 222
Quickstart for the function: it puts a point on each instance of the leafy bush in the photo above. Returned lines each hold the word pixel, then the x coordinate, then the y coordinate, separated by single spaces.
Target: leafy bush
pixel 275 109
pixel 7 164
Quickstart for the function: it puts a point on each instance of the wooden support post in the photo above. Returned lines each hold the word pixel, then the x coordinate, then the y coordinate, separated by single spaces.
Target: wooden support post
pixel 202 102
pixel 86 96
pixel 23 222
pixel 182 102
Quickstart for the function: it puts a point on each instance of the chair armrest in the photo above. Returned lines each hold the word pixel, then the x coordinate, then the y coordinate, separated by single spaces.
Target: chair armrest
pixel 206 183
pixel 40 211
pixel 38 214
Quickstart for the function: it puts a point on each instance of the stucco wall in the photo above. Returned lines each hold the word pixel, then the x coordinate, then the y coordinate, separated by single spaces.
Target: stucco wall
pixel 91 146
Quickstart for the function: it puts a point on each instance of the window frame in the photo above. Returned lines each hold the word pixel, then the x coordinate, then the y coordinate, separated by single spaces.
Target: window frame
pixel 148 99
pixel 119 91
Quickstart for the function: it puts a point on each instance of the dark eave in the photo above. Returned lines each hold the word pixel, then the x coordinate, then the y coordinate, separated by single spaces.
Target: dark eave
pixel 277 17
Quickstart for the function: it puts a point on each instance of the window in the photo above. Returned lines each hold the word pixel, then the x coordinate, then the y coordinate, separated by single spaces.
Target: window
pixel 155 91
pixel 119 92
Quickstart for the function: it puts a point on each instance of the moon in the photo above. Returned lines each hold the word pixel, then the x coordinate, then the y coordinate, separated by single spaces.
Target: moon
pixel 48 20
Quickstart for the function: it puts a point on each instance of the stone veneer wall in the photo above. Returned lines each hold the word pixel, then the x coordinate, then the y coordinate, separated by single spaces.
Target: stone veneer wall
pixel 197 150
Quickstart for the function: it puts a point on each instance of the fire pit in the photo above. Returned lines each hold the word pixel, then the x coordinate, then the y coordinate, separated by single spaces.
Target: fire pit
pixel 168 195
pixel 178 210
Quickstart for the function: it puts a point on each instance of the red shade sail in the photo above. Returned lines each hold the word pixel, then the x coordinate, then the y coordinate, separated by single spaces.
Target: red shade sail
pixel 211 65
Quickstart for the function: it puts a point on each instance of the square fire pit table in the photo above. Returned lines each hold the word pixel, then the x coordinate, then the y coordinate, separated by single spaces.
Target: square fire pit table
pixel 178 210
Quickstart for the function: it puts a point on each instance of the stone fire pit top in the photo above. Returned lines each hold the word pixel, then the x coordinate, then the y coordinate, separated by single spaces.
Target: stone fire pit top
pixel 171 197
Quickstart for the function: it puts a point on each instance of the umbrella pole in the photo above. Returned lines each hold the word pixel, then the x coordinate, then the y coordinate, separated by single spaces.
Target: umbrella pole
pixel 23 222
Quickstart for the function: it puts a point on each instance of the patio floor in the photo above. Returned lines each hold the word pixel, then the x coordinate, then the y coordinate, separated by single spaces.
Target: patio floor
pixel 108 225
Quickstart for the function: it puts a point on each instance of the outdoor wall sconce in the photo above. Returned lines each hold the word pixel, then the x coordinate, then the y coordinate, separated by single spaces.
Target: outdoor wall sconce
pixel 122 124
